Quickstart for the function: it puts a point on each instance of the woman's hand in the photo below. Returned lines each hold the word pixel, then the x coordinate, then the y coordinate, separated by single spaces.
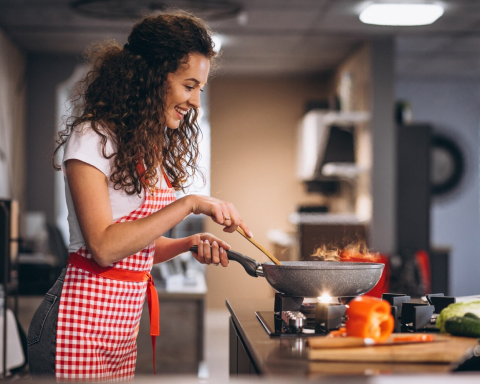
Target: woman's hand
pixel 221 212
pixel 211 249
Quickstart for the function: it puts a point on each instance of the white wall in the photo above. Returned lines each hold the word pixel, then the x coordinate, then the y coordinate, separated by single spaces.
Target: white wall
pixel 453 107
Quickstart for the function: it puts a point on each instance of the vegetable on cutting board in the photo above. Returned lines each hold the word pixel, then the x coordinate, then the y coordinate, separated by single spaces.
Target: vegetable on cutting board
pixel 458 310
pixel 369 317
pixel 467 325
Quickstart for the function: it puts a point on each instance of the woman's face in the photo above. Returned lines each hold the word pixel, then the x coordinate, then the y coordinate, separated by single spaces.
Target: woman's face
pixel 184 87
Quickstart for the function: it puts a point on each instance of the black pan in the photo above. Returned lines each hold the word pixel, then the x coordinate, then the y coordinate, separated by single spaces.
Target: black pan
pixel 313 278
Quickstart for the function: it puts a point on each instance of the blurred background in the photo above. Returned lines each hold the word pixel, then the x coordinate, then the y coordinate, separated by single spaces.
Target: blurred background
pixel 321 129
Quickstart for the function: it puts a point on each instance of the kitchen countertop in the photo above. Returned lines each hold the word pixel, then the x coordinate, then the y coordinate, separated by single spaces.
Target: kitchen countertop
pixel 277 356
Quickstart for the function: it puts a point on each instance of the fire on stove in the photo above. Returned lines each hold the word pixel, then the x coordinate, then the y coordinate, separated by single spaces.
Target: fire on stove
pixel 356 252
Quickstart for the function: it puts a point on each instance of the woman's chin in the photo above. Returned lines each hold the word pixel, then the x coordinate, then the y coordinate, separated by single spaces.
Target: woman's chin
pixel 173 125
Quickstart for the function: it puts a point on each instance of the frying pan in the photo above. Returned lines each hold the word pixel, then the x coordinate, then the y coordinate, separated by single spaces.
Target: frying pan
pixel 313 278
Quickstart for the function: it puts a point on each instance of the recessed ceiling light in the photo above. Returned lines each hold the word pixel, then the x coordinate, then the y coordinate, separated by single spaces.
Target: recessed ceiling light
pixel 401 14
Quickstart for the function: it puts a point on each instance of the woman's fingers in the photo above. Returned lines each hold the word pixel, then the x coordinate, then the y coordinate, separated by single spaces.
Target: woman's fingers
pixel 221 212
pixel 219 255
pixel 215 249
pixel 200 258
pixel 217 215
pixel 211 249
pixel 211 238
pixel 211 253
pixel 242 225
pixel 246 229
pixel 232 218
pixel 207 254
pixel 223 257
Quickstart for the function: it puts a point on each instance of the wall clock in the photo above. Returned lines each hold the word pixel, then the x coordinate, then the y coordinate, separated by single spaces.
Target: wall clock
pixel 447 165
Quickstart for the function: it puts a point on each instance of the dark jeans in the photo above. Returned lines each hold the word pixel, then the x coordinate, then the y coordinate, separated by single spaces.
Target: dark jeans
pixel 42 333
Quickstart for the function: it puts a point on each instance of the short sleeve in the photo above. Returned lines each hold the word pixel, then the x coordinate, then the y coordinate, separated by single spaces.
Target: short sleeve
pixel 85 144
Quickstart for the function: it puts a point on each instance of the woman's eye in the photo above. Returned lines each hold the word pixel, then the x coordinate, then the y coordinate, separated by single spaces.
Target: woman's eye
pixel 189 88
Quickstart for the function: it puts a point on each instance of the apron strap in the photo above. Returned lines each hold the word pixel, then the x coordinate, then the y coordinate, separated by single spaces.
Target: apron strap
pixel 141 171
pixel 112 273
pixel 167 179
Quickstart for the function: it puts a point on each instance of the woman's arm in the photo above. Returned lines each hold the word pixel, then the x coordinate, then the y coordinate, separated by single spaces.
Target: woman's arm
pixel 109 242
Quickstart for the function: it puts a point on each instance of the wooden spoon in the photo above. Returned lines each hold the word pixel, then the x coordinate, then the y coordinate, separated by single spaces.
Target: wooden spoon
pixel 270 256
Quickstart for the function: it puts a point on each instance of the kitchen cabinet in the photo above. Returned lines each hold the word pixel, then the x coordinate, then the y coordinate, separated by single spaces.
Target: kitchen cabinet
pixel 180 346
pixel 241 363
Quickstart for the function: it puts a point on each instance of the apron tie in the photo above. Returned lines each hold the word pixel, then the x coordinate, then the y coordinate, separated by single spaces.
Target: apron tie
pixel 154 313
pixel 92 266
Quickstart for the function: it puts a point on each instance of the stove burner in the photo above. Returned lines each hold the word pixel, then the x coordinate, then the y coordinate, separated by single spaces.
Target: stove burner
pixel 396 301
pixel 294 321
pixel 415 316
pixel 440 301
pixel 287 303
pixel 329 316
pixel 297 316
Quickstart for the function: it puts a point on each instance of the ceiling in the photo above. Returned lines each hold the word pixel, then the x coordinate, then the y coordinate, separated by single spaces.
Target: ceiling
pixel 273 36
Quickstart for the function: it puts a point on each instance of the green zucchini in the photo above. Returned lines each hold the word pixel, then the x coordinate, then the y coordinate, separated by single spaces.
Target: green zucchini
pixel 472 316
pixel 463 326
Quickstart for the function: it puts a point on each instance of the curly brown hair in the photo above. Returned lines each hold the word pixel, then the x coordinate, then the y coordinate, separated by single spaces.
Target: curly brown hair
pixel 122 97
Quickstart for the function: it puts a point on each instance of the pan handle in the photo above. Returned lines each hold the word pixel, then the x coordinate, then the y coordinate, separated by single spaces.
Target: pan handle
pixel 250 265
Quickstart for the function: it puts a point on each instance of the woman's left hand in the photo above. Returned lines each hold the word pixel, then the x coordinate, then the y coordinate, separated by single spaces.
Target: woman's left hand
pixel 211 249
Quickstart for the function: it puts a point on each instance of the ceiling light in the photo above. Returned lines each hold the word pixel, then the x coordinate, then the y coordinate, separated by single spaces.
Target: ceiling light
pixel 401 14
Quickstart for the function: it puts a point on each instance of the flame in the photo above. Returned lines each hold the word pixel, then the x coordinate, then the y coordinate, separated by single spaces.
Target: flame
pixel 352 252
pixel 325 298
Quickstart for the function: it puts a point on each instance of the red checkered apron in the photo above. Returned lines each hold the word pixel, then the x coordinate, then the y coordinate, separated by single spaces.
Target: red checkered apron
pixel 98 317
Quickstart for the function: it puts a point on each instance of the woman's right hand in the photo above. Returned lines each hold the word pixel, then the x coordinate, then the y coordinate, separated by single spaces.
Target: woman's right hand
pixel 221 212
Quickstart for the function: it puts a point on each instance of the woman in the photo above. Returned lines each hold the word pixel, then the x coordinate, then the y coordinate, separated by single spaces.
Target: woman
pixel 133 144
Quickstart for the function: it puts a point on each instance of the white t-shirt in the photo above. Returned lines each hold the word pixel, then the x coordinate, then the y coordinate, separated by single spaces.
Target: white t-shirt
pixel 84 144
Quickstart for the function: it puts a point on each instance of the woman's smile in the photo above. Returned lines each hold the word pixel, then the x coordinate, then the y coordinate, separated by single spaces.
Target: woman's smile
pixel 181 112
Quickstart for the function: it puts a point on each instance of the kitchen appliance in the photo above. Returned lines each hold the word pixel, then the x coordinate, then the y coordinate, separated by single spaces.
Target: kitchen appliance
pixel 304 317
pixel 313 278
pixel 326 149
pixel 326 137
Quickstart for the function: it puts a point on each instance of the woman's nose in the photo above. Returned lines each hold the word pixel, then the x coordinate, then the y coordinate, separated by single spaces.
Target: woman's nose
pixel 194 100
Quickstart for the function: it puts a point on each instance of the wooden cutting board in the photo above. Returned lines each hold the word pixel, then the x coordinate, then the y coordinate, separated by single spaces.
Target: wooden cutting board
pixel 446 349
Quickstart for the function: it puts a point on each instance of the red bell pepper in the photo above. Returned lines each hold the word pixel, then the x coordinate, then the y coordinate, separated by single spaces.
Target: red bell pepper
pixel 369 317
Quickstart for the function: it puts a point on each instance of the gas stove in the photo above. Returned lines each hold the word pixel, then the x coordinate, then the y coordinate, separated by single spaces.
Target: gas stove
pixel 302 317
